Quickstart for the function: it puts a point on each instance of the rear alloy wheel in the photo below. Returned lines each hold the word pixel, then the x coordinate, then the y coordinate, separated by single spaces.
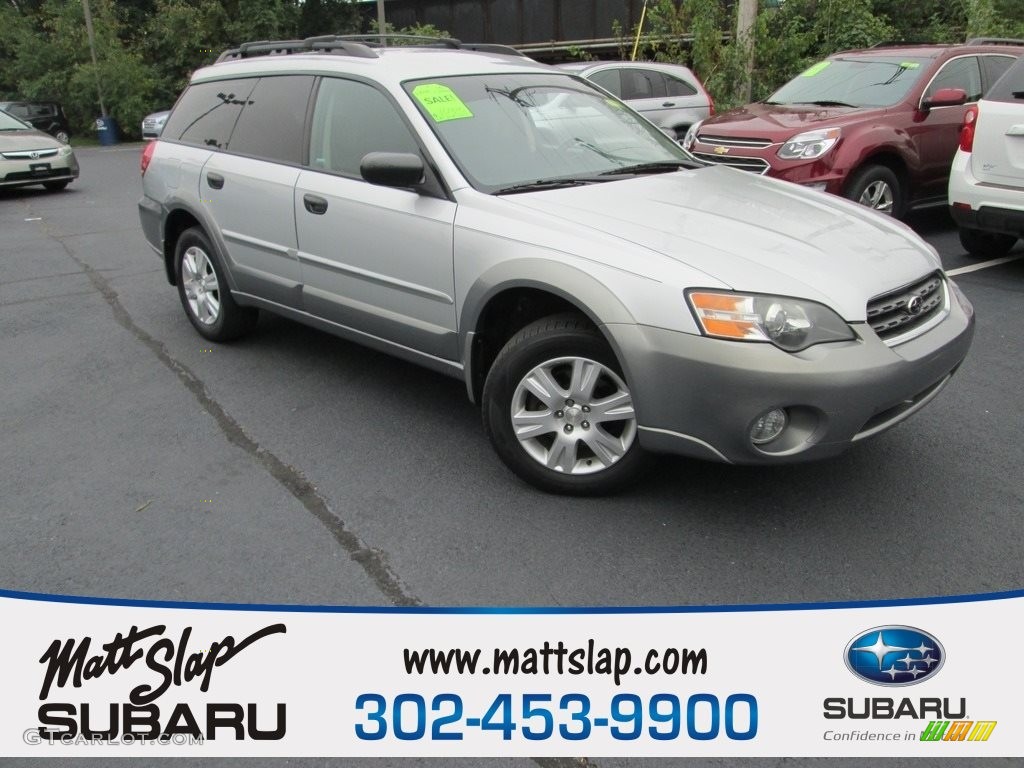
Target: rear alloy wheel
pixel 877 188
pixel 986 245
pixel 204 291
pixel 558 410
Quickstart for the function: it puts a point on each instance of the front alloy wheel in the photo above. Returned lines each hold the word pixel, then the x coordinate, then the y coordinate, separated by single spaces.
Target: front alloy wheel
pixel 559 411
pixel 573 415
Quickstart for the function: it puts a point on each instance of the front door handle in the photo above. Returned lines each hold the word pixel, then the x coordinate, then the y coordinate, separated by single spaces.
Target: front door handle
pixel 315 204
pixel 668 104
pixel 215 180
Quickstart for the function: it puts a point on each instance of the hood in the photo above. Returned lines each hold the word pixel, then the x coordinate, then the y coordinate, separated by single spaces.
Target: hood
pixel 11 141
pixel 749 232
pixel 781 121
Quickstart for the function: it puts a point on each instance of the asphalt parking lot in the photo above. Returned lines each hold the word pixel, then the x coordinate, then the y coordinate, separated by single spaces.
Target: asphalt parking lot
pixel 139 461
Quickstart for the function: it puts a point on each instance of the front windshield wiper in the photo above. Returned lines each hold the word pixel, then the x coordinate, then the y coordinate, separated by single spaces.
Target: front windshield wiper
pixel 655 167
pixel 827 103
pixel 532 186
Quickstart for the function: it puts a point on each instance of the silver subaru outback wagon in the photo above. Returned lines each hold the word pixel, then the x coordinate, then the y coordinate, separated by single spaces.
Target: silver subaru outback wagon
pixel 515 227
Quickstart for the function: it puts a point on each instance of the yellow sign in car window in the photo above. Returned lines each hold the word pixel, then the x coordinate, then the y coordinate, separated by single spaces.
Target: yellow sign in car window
pixel 440 102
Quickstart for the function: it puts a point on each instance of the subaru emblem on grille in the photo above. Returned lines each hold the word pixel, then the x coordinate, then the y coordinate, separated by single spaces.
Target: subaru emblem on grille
pixel 914 305
pixel 721 150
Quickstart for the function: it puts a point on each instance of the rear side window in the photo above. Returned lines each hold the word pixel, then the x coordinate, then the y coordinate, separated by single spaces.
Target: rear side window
pixel 1010 87
pixel 271 124
pixel 642 84
pixel 351 120
pixel 994 67
pixel 206 113
pixel 677 87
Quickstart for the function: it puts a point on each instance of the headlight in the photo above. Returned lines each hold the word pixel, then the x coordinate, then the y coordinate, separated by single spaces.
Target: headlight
pixel 807 146
pixel 64 151
pixel 789 324
pixel 691 135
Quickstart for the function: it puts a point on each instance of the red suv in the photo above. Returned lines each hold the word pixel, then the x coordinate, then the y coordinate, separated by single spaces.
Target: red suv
pixel 879 126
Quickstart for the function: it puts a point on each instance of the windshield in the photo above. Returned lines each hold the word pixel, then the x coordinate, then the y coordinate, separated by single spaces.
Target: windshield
pixel 855 82
pixel 11 123
pixel 515 130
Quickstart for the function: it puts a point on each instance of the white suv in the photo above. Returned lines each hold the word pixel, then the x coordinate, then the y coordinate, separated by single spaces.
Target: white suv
pixel 986 185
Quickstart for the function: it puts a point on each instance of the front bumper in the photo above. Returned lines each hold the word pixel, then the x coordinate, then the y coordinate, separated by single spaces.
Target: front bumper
pixel 24 173
pixel 699 396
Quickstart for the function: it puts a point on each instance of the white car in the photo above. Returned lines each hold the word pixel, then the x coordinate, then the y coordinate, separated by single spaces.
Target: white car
pixel 986 185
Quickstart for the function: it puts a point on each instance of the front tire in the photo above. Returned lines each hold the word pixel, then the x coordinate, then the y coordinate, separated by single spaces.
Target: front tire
pixel 986 245
pixel 559 412
pixel 204 291
pixel 55 186
pixel 877 188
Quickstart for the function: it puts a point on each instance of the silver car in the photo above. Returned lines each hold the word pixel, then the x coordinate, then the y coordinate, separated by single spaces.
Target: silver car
pixel 669 95
pixel 512 226
pixel 153 124
pixel 29 157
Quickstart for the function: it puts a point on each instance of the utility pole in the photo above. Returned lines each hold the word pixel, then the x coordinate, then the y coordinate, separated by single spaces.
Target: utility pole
pixel 746 16
pixel 381 23
pixel 92 50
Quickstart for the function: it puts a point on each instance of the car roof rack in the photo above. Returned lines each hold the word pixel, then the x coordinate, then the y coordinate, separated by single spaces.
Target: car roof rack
pixel 377 40
pixel 362 46
pixel 901 43
pixel 994 41
pixel 325 44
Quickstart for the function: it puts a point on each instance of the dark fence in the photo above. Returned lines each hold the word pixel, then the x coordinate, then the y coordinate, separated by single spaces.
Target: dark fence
pixel 539 26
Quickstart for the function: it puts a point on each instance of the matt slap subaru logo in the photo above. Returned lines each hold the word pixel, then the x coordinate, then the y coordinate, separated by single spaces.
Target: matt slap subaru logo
pixel 894 655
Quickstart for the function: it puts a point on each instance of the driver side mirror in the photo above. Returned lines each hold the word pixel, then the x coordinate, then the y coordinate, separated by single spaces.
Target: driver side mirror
pixel 392 169
pixel 945 97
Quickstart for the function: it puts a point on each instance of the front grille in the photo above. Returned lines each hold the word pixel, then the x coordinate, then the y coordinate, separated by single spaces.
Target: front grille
pixel 27 154
pixel 752 164
pixel 734 141
pixel 909 311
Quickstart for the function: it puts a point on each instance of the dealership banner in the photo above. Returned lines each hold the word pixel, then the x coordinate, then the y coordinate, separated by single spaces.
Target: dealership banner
pixel 104 677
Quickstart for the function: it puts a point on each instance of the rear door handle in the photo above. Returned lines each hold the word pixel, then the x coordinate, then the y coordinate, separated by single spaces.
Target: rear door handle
pixel 215 180
pixel 315 204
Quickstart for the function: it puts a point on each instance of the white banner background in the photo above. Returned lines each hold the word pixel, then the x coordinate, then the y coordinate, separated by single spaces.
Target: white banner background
pixel 790 660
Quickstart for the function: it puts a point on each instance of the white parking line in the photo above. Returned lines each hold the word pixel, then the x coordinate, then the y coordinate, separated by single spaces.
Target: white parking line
pixel 984 265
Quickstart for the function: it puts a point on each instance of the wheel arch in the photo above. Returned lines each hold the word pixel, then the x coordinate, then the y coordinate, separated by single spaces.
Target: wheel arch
pixel 515 294
pixel 178 219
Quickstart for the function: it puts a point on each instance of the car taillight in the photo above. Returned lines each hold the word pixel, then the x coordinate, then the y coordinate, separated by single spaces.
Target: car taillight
pixel 967 129
pixel 147 155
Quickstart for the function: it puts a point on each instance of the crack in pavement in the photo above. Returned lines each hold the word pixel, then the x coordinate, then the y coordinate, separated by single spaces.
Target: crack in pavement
pixel 372 561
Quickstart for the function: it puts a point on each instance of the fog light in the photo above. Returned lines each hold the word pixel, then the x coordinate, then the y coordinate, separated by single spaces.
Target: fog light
pixel 768 426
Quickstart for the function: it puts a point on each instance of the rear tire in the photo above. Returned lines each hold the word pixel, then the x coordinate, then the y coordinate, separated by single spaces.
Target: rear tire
pixel 558 411
pixel 204 291
pixel 986 245
pixel 55 186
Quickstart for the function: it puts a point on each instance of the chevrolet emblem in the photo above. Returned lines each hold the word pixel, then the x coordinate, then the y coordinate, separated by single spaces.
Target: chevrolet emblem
pixel 721 150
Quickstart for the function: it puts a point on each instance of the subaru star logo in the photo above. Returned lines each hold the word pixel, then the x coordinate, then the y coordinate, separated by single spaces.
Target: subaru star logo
pixel 894 655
